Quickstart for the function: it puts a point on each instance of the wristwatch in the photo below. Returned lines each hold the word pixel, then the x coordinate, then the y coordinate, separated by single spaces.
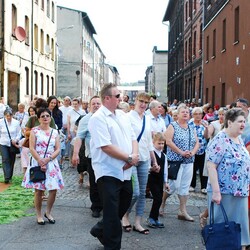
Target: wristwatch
pixel 129 159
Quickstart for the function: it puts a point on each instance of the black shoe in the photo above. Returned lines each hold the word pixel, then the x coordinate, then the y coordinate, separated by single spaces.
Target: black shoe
pixel 97 234
pixel 96 214
pixel 41 222
pixel 51 221
pixel 7 181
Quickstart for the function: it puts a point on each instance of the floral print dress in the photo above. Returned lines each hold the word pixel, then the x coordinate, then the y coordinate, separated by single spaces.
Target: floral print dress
pixel 54 178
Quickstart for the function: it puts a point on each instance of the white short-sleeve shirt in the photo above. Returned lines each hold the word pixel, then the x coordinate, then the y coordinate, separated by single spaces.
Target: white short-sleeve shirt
pixel 107 128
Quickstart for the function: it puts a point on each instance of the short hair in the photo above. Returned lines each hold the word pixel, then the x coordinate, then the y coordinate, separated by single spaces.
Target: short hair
pixel 93 97
pixel 106 90
pixel 8 111
pixel 21 105
pixel 232 115
pixel 124 105
pixel 153 104
pixel 76 100
pixel 42 110
pixel 195 109
pixel 41 103
pixel 143 95
pixel 153 96
pixel 181 106
pixel 158 137
pixel 243 100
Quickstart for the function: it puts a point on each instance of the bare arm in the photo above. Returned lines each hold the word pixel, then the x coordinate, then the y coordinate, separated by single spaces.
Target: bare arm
pixel 77 146
pixel 213 177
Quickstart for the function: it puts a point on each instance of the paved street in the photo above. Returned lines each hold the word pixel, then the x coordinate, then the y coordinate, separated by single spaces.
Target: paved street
pixel 73 222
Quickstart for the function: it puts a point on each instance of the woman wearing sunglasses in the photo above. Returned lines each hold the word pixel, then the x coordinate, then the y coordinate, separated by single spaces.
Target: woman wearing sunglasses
pixel 44 148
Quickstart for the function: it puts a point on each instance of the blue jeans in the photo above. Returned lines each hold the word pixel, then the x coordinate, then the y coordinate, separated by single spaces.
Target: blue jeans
pixel 8 162
pixel 139 180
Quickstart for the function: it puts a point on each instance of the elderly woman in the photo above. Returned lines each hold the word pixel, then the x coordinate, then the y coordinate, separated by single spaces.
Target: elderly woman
pixel 183 144
pixel 229 170
pixel 141 125
pixel 200 128
pixel 9 127
pixel 44 148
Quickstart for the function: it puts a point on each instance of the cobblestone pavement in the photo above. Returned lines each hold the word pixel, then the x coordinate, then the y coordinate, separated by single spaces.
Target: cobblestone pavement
pixel 74 221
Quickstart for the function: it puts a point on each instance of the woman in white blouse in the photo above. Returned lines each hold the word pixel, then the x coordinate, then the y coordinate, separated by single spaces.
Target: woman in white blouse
pixel 8 157
pixel 146 159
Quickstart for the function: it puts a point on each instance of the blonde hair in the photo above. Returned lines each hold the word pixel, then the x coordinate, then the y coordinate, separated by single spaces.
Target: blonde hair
pixel 158 137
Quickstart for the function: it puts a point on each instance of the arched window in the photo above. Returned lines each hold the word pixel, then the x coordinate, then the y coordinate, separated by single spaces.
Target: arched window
pixel 36 82
pixel 27 80
pixel 47 78
pixel 27 30
pixel 42 87
pixel 14 19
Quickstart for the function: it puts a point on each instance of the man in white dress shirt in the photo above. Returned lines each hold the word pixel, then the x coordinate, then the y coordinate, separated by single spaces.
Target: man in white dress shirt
pixel 114 150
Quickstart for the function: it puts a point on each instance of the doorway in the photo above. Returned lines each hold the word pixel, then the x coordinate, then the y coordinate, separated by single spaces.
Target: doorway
pixel 13 90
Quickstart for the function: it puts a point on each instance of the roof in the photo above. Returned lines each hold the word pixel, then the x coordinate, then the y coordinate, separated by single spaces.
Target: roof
pixel 169 12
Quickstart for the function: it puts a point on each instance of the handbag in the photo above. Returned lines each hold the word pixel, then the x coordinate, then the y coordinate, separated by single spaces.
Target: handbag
pixel 173 169
pixel 36 173
pixel 13 149
pixel 221 236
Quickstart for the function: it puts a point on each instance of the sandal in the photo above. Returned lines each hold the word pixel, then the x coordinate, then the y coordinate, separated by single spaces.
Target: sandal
pixel 203 220
pixel 80 181
pixel 127 228
pixel 145 231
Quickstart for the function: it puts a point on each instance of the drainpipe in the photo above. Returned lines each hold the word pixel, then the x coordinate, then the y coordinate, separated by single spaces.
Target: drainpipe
pixel 2 51
pixel 32 50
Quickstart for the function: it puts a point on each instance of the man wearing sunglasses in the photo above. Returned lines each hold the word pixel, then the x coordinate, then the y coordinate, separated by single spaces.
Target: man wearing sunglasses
pixel 114 150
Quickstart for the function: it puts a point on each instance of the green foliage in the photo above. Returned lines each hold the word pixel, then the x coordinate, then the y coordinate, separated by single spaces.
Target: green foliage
pixel 15 201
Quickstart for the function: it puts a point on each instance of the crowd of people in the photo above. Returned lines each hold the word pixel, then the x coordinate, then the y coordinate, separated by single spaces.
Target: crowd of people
pixel 127 149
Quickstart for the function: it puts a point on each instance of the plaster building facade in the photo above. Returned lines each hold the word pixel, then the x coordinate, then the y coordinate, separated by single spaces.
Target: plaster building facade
pixel 160 74
pixel 27 50
pixel 175 15
pixel 226 51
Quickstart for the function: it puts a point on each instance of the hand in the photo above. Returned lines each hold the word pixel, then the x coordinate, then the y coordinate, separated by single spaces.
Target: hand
pixel 187 154
pixel 135 159
pixel 75 160
pixel 167 187
pixel 127 166
pixel 216 197
pixel 155 168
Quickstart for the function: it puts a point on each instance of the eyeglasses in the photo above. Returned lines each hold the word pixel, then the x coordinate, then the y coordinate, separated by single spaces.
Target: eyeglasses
pixel 116 96
pixel 44 116
pixel 142 101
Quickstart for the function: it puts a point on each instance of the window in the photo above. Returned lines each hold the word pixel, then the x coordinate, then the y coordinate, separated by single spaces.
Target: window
pixel 42 4
pixel 213 95
pixel 35 37
pixel 36 1
pixel 190 8
pixel 47 51
pixel 27 80
pixel 42 87
pixel 42 42
pixel 194 47
pixel 14 19
pixel 224 34
pixel 206 95
pixel 236 24
pixel 186 50
pixel 52 85
pixel 186 11
pixel 36 82
pixel 223 94
pixel 207 49
pixel 52 49
pixel 27 30
pixel 200 38
pixel 48 8
pixel 193 87
pixel 53 12
pixel 47 78
pixel 189 49
pixel 214 43
pixel 200 86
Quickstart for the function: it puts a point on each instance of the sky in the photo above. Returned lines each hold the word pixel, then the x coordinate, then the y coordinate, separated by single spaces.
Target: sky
pixel 127 31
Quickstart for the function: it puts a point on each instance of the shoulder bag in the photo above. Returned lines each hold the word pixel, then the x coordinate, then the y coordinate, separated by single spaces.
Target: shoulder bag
pixel 142 130
pixel 13 149
pixel 36 174
pixel 224 236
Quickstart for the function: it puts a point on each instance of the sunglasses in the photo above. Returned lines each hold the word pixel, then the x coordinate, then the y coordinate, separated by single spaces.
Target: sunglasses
pixel 44 116
pixel 116 96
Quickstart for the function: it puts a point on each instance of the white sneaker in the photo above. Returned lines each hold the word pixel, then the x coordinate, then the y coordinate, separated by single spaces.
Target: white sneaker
pixel 191 189
pixel 204 190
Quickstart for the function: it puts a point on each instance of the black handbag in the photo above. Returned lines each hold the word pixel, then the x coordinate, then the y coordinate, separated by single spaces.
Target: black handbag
pixel 173 169
pixel 221 236
pixel 36 173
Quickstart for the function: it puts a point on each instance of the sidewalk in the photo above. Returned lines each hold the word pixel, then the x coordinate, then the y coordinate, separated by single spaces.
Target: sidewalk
pixel 74 221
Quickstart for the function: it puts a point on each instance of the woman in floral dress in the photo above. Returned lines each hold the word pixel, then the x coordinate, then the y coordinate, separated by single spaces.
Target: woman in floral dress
pixel 228 171
pixel 39 138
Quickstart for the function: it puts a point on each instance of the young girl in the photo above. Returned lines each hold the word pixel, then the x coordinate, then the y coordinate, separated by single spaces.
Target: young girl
pixel 157 177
